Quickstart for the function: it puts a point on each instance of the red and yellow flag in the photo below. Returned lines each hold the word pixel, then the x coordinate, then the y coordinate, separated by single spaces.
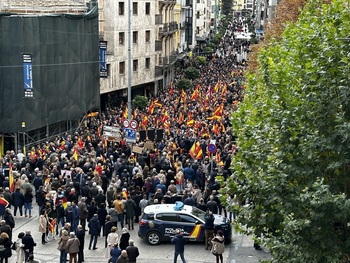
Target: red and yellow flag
pixel 183 96
pixel 171 89
pixel 196 151
pixel 125 113
pixel 75 154
pixel 195 93
pixel 151 108
pixel 11 179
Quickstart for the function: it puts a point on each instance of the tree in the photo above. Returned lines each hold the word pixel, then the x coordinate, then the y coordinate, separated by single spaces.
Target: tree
pixel 140 102
pixel 201 60
pixel 292 168
pixel 192 73
pixel 184 84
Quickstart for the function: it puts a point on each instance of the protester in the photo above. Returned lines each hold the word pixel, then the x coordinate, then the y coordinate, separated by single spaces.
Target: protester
pixel 123 258
pixel 208 228
pixel 94 231
pixel 179 242
pixel 133 251
pixel 218 246
pixel 62 243
pixel 124 239
pixel 112 238
pixel 29 245
pixel 115 253
pixel 72 247
pixel 43 222
pixel 19 248
pixel 5 247
pixel 81 236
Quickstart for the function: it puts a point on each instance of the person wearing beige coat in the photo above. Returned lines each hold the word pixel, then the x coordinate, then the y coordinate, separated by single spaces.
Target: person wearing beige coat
pixel 43 226
pixel 72 247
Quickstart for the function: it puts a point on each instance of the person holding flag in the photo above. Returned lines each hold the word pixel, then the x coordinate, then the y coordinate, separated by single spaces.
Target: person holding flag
pixel 3 205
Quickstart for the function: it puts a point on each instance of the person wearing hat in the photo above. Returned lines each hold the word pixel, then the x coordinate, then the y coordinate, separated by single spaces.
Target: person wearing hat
pixel 112 238
pixel 218 246
pixel 179 242
pixel 123 258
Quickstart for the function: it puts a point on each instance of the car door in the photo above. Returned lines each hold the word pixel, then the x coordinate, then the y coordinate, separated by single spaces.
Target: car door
pixel 167 224
pixel 193 228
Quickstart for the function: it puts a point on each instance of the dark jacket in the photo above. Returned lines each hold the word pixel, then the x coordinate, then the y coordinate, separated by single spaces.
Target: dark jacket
pixel 179 242
pixel 133 253
pixel 94 226
pixel 28 243
pixel 115 253
pixel 5 248
pixel 17 198
pixel 9 219
pixel 81 236
pixel 209 221
pixel 124 241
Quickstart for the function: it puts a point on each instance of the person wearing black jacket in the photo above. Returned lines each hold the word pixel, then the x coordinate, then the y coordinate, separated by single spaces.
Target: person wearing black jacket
pixel 179 242
pixel 40 198
pixel 29 245
pixel 133 251
pixel 208 228
pixel 81 236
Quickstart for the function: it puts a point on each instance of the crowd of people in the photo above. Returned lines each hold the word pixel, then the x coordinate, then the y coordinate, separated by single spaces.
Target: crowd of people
pixel 85 182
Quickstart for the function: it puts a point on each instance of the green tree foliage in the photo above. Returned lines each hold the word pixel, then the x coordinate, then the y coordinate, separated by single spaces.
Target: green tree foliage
pixel 192 73
pixel 293 135
pixel 201 60
pixel 140 102
pixel 184 84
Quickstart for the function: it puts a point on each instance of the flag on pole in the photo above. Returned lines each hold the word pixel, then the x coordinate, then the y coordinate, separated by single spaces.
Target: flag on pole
pixel 195 93
pixel 171 90
pixel 75 154
pixel 196 151
pixel 125 113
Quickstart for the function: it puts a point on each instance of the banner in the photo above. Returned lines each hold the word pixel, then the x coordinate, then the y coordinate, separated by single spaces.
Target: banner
pixel 28 75
pixel 103 64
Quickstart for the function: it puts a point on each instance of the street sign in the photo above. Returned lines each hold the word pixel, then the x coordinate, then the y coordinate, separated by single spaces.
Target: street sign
pixel 212 148
pixel 133 124
pixel 130 135
pixel 126 123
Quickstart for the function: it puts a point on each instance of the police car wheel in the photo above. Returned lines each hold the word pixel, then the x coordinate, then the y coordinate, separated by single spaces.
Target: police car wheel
pixel 153 238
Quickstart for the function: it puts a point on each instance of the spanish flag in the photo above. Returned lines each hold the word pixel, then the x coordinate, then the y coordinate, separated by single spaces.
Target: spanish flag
pixel 125 113
pixel 214 118
pixel 165 116
pixel 217 86
pixel 75 154
pixel 216 129
pixel 181 118
pixel 11 179
pixel 196 150
pixel 224 90
pixel 156 103
pixel 151 108
pixel 219 110
pixel 144 121
pixel 190 122
pixel 195 93
pixel 93 114
pixel 183 96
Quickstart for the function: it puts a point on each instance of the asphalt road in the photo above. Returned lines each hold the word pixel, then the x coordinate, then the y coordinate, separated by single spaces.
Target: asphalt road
pixel 239 251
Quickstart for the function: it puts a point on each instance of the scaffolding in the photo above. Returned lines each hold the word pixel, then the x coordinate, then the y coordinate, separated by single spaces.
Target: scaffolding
pixel 44 6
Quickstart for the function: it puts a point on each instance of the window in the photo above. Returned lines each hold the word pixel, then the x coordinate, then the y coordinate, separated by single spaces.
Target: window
pixel 121 38
pixel 148 8
pixel 135 64
pixel 147 63
pixel 134 37
pixel 121 8
pixel 198 15
pixel 198 1
pixel 121 67
pixel 172 217
pixel 148 36
pixel 134 8
pixel 187 218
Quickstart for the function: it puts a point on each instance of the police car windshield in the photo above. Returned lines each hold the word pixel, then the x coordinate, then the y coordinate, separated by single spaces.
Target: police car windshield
pixel 198 213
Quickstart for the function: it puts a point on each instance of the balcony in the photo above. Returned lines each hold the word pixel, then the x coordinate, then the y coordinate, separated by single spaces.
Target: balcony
pixel 158 72
pixel 168 60
pixel 158 45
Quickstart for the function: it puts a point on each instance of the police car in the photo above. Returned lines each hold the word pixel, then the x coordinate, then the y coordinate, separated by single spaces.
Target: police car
pixel 159 223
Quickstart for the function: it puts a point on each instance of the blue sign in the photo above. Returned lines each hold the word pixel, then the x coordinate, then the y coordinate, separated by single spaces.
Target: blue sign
pixel 103 64
pixel 28 75
pixel 212 148
pixel 130 135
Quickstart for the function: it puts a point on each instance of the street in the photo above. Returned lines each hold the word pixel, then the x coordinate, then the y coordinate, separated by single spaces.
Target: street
pixel 239 251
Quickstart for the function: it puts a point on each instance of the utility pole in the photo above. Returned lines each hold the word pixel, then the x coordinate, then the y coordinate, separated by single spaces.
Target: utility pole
pixel 258 14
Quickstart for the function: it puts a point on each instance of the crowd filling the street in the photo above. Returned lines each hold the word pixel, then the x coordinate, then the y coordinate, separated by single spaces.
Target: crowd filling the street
pixel 84 184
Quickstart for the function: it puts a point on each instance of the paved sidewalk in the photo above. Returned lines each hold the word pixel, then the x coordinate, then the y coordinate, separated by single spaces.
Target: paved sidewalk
pixel 242 250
